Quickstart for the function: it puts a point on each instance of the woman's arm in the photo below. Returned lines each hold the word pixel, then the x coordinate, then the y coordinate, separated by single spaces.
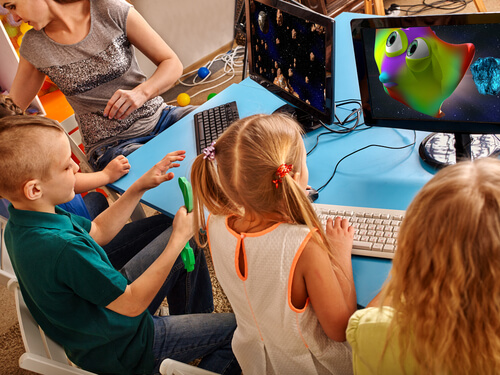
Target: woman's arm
pixel 27 82
pixel 169 68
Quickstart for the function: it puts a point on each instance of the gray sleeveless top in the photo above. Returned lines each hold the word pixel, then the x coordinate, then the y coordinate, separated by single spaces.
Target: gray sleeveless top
pixel 90 71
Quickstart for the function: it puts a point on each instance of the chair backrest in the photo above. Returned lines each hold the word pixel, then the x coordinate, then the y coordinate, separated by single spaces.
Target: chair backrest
pixel 172 367
pixel 43 355
pixel 6 270
pixel 75 139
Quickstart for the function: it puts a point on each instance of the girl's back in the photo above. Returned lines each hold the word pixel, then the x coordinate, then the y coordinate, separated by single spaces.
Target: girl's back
pixel 256 272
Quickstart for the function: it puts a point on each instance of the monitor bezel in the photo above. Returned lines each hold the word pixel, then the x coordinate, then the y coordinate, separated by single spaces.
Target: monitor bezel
pixel 449 126
pixel 303 12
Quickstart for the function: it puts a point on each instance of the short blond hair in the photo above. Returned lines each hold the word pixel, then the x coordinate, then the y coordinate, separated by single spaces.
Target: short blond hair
pixel 444 281
pixel 24 151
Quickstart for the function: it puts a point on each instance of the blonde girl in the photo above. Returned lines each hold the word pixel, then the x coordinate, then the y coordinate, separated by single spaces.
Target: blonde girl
pixel 288 280
pixel 444 287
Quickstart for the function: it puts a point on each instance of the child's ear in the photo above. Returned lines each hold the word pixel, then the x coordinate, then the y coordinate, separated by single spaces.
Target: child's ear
pixel 32 190
pixel 296 176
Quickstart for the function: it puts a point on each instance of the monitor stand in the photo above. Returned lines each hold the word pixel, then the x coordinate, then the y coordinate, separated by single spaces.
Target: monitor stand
pixel 441 149
pixel 307 121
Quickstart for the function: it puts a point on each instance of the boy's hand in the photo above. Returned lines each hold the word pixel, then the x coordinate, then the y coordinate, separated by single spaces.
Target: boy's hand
pixel 117 168
pixel 340 234
pixel 183 227
pixel 158 174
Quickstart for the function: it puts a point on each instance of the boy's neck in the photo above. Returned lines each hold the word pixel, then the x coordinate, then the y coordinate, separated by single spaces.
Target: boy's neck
pixel 27 205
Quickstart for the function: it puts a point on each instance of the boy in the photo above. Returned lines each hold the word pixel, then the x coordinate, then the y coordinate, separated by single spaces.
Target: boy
pixel 95 312
pixel 134 235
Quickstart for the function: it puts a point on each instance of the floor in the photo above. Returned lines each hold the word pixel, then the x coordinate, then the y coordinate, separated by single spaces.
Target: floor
pixel 11 346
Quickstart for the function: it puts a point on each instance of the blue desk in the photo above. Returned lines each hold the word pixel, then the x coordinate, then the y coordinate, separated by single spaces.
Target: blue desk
pixel 374 177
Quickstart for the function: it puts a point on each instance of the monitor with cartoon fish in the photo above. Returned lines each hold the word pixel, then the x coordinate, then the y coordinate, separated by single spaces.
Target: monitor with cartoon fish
pixel 436 73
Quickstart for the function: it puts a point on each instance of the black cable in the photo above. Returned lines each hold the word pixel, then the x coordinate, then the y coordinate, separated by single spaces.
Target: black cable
pixel 364 148
pixel 451 6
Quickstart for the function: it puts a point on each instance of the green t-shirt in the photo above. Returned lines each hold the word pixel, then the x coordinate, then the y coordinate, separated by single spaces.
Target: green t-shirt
pixel 67 281
pixel 367 333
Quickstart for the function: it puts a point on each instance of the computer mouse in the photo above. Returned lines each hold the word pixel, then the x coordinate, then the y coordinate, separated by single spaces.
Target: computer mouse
pixel 312 194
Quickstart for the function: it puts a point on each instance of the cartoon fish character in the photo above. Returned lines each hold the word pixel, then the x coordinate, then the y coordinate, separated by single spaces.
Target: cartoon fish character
pixel 418 69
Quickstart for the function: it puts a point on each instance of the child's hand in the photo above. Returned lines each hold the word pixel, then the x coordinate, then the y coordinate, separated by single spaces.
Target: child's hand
pixel 340 235
pixel 158 174
pixel 117 168
pixel 183 227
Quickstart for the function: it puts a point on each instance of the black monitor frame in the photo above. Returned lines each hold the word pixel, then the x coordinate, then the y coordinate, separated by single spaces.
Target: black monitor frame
pixel 306 113
pixel 462 129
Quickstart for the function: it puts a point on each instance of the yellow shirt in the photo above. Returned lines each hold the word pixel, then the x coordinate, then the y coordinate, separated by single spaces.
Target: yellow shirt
pixel 367 333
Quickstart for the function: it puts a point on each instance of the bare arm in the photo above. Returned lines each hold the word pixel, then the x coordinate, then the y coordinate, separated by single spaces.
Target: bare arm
pixel 115 169
pixel 169 68
pixel 139 294
pixel 27 83
pixel 330 294
pixel 111 221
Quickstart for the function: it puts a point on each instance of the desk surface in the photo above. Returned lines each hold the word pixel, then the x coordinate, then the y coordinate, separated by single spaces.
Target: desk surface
pixel 375 177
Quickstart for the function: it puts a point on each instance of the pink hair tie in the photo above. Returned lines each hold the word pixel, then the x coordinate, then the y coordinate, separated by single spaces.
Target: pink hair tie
pixel 209 152
pixel 282 171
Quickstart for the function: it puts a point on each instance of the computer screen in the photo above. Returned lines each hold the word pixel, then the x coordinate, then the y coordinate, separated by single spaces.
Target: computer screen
pixel 290 53
pixel 433 73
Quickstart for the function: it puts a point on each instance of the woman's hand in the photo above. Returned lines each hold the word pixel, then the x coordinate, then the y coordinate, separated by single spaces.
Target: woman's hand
pixel 123 103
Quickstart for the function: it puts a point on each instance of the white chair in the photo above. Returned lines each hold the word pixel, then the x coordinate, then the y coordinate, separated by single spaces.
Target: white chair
pixel 172 367
pixel 6 270
pixel 43 355
pixel 75 139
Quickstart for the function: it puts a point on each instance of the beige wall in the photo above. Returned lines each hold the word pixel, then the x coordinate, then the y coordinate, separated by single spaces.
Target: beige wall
pixel 192 28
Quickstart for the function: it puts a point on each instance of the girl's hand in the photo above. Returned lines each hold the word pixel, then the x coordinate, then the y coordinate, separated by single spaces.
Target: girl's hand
pixel 158 174
pixel 117 168
pixel 340 234
pixel 123 102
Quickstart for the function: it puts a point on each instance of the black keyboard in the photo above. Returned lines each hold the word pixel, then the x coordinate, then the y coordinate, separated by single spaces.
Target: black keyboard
pixel 211 123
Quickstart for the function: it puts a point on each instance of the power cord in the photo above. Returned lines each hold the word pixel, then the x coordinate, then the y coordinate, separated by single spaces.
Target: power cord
pixel 450 6
pixel 364 148
pixel 231 60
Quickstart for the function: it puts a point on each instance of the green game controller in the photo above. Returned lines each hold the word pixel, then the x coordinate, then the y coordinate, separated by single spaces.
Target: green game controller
pixel 187 253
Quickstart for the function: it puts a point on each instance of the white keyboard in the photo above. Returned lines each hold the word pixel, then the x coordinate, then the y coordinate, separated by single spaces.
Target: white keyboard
pixel 376 228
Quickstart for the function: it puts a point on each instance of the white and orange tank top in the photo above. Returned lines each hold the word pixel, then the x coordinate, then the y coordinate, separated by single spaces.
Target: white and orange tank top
pixel 272 336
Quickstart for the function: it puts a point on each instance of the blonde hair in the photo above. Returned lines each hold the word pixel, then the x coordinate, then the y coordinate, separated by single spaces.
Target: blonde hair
pixel 444 281
pixel 240 179
pixel 26 151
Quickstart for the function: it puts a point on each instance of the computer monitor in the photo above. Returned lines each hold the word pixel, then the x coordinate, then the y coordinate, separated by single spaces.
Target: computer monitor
pixel 437 73
pixel 290 53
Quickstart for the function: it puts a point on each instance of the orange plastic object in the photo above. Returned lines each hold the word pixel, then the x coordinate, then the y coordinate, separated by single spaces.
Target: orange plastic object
pixel 56 106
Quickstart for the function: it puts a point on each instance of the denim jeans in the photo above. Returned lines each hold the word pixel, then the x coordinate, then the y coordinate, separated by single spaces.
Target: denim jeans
pixel 103 155
pixel 133 237
pixel 187 337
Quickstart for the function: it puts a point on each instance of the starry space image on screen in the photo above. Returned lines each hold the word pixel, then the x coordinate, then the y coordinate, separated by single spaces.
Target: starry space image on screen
pixel 290 53
pixel 469 101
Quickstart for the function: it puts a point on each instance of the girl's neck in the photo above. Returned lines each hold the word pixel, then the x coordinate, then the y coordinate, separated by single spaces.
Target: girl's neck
pixel 71 22
pixel 252 223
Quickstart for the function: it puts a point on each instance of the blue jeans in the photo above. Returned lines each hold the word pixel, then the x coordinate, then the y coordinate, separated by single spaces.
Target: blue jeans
pixel 103 155
pixel 133 237
pixel 187 337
